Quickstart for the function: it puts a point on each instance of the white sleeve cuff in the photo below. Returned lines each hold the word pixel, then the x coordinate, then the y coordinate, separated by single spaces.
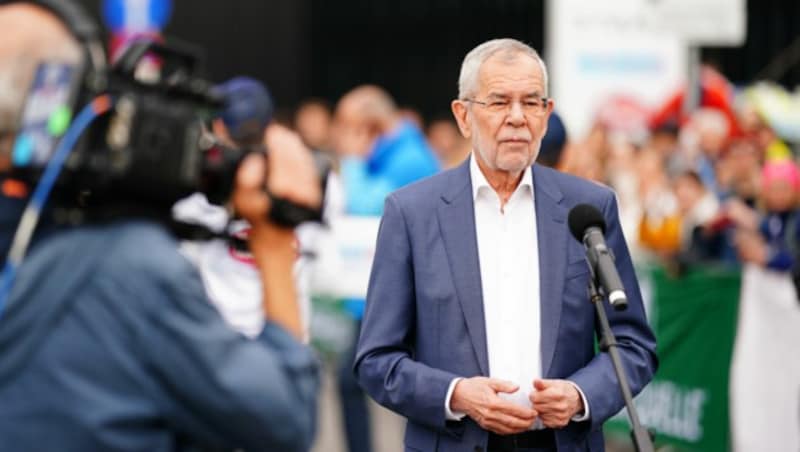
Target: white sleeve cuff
pixel 585 415
pixel 448 414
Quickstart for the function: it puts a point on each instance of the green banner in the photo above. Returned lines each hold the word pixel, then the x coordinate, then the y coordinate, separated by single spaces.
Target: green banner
pixel 694 319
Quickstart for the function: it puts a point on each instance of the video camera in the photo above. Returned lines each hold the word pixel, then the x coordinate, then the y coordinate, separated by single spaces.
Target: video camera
pixel 151 148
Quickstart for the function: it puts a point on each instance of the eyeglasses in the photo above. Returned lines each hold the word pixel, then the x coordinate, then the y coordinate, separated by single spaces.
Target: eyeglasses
pixel 536 107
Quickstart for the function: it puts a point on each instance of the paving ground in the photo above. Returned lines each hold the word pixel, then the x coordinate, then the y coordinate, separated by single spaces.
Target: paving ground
pixel 388 427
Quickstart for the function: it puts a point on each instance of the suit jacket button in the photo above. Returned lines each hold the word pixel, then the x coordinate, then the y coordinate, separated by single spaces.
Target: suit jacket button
pixel 478 449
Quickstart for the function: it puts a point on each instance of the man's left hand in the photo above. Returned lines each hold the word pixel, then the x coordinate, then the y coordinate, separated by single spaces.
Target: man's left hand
pixel 556 401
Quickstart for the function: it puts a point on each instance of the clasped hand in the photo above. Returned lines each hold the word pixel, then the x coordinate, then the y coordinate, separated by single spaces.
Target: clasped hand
pixel 555 402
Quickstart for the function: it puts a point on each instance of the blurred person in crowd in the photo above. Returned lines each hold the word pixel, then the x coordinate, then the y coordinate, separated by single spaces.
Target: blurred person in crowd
pixel 457 335
pixel 707 134
pixel 581 157
pixel 312 120
pixel 587 165
pixel 413 116
pixel 554 142
pixel 109 341
pixel 772 147
pixel 665 139
pixel 739 170
pixel 659 227
pixel 696 205
pixel 382 151
pixel 621 174
pixel 748 117
pixel 775 243
pixel 447 142
pixel 227 268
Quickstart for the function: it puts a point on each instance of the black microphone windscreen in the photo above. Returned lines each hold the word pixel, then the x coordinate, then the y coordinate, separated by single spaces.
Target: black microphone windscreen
pixel 582 217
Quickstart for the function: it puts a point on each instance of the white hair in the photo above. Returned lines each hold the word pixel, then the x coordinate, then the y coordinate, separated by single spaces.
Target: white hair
pixel 468 78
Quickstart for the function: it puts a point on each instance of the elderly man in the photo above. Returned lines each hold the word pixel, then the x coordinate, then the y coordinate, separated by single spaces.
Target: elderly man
pixel 478 326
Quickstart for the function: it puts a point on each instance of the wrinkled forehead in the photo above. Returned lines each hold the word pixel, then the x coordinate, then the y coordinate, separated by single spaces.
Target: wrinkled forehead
pixel 509 72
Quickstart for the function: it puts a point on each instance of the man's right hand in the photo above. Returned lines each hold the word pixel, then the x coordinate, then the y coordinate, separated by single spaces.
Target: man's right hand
pixel 477 397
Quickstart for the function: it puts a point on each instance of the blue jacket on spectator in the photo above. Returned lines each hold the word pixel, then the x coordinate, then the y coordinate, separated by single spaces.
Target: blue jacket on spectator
pixel 398 158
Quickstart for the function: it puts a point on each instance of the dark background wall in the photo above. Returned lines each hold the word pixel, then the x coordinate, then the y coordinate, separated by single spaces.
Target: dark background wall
pixel 321 48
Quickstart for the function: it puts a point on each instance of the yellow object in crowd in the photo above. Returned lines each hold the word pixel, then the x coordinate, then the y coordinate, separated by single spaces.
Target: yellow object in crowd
pixel 662 235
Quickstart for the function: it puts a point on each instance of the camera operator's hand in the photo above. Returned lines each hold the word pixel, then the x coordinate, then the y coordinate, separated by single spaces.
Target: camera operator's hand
pixel 292 173
pixel 288 172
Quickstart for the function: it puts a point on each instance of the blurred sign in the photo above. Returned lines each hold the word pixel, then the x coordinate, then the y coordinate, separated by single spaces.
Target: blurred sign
pixel 597 53
pixel 637 48
pixel 700 22
pixel 344 257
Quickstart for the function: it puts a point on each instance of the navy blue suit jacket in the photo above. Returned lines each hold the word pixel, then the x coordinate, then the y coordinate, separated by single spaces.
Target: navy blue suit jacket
pixel 424 321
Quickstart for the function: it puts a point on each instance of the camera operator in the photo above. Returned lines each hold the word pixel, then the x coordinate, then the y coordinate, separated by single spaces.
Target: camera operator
pixel 225 266
pixel 108 341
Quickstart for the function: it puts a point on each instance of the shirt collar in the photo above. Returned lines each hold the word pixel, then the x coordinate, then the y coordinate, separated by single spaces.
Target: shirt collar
pixel 479 181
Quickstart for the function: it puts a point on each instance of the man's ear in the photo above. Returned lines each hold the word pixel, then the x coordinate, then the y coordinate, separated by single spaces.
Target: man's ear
pixel 460 113
pixel 550 107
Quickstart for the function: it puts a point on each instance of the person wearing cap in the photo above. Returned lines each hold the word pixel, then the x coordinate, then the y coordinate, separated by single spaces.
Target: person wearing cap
pixel 229 272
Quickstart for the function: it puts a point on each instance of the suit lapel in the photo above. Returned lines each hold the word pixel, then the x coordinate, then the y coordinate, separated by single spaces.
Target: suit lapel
pixel 457 223
pixel 552 235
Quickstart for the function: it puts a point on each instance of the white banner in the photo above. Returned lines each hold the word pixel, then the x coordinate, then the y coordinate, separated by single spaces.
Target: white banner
pixel 599 50
pixel 765 372
pixel 344 257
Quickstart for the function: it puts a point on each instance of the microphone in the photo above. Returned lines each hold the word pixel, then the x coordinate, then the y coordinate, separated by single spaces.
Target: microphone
pixel 588 226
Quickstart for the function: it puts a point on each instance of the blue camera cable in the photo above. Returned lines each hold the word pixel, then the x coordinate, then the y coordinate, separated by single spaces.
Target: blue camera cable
pixel 30 217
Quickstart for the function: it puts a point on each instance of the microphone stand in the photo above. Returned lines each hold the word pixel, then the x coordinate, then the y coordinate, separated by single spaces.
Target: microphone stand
pixel 608 343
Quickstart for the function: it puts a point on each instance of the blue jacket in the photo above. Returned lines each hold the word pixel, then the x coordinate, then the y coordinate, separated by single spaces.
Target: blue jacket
pixel 397 159
pixel 782 234
pixel 424 323
pixel 109 343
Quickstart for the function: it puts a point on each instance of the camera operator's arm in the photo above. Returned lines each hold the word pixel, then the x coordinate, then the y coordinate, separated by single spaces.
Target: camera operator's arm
pixel 226 389
pixel 290 174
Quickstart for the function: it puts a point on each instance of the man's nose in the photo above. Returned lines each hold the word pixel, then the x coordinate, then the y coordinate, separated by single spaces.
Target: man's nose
pixel 516 116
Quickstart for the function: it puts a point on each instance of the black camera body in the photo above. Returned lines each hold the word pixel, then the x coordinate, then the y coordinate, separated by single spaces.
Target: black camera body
pixel 151 148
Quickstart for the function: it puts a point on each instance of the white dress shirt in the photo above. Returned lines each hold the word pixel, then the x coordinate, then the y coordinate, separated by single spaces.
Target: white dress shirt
pixel 509 264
